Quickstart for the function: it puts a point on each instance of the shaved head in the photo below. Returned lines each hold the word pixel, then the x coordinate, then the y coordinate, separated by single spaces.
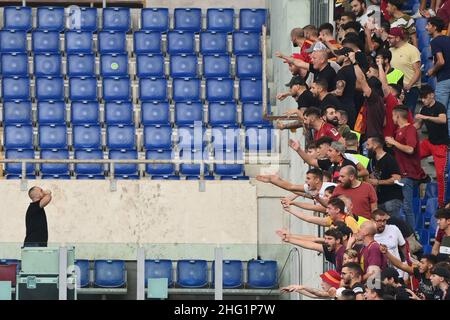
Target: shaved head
pixel 35 193
pixel 369 228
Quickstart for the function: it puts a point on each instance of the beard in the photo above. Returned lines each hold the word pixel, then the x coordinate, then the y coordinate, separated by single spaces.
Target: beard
pixel 371 154
pixel 334 122
pixel 346 185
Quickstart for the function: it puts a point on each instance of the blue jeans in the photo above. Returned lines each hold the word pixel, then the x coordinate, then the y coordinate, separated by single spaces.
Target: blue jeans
pixel 442 95
pixel 392 207
pixel 408 194
pixel 411 98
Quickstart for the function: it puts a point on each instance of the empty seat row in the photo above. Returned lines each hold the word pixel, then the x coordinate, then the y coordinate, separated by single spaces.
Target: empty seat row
pixel 117 65
pixel 261 274
pixel 121 112
pixel 44 41
pixel 119 19
pixel 124 137
pixel 119 89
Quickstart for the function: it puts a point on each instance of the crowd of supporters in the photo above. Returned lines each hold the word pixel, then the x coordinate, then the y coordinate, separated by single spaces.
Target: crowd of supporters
pixel 362 105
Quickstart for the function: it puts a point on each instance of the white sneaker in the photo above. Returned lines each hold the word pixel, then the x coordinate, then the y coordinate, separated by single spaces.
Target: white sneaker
pixel 417 15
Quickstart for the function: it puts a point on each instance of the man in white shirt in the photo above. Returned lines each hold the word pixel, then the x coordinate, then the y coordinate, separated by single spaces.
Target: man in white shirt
pixel 389 235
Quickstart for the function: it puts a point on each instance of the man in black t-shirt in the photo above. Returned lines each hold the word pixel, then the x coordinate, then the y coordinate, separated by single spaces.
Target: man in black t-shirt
pixel 384 172
pixel 319 89
pixel 440 278
pixel 351 276
pixel 346 85
pixel 434 115
pixel 35 219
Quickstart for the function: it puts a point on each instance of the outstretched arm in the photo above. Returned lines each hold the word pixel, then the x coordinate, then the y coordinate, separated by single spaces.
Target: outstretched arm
pixel 277 181
pixel 295 145
pixel 297 62
pixel 307 218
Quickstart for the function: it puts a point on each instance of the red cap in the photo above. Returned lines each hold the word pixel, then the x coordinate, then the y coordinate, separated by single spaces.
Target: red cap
pixel 332 277
pixel 397 32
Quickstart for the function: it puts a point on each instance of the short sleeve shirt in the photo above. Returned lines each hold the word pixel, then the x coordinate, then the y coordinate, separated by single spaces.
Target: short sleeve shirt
pixel 328 130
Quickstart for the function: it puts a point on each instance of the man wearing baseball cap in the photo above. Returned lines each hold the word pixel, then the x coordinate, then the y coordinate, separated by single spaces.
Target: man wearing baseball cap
pixel 330 281
pixel 440 278
pixel 406 58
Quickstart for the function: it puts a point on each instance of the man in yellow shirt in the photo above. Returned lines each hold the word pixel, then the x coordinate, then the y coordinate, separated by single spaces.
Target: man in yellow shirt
pixel 335 211
pixel 406 58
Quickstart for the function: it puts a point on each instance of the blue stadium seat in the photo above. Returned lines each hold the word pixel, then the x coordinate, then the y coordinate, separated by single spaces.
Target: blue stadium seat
pixel 183 65
pixel 232 273
pixel 222 113
pixel 55 177
pixel 118 112
pixel 245 42
pixel 81 65
pixel 114 65
pixel 192 273
pixel 155 19
pixel 83 273
pixel 424 237
pixel 17 18
pixel 17 112
pixel 159 169
pixel 116 19
pixel 259 138
pixel 85 168
pixel 116 88
pixel 83 89
pixel 431 206
pixel 191 137
pixel 53 137
pixel 19 176
pixel 196 177
pixel 219 19
pixel 249 66
pixel 262 274
pixel 16 168
pixel 150 65
pixel 180 42
pixel 186 113
pixel 152 89
pixel 13 41
pixel 252 114
pixel 220 89
pixel 16 88
pixel 85 112
pixel 147 42
pixel 127 176
pixel 252 19
pixel 216 66
pixel 165 178
pixel 155 112
pixel 235 178
pixel 213 42
pixel 112 42
pixel 228 169
pixel 79 42
pixel 45 41
pixel 109 273
pixel 49 88
pixel 124 169
pixel 82 18
pixel 54 168
pixel 90 177
pixel 51 112
pixel 188 19
pixel 87 136
pixel 157 137
pixel 120 137
pixel 250 90
pixel 47 64
pixel 186 89
pixel 427 249
pixel 50 18
pixel 431 191
pixel 226 138
pixel 18 136
pixel 157 269
pixel 193 170
pixel 14 64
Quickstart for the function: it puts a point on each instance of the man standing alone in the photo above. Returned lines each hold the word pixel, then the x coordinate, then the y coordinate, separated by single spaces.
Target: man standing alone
pixel 36 220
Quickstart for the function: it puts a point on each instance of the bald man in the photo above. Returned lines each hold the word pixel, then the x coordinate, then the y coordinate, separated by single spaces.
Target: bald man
pixel 36 220
pixel 371 259
pixel 319 66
